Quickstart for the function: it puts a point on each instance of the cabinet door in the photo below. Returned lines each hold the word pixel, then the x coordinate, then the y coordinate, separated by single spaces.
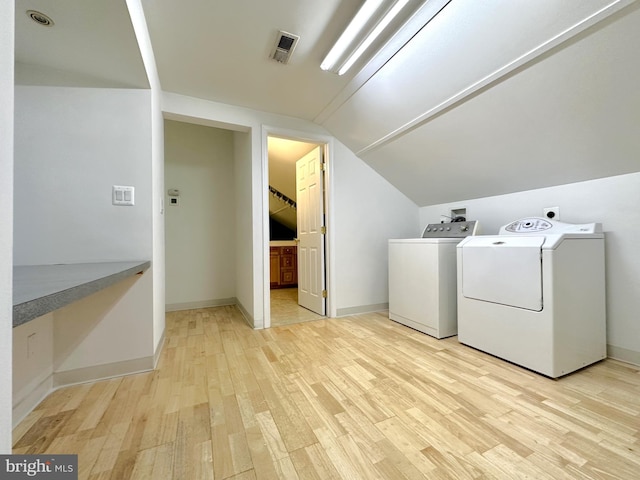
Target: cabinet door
pixel 288 267
pixel 286 261
pixel 288 277
pixel 274 258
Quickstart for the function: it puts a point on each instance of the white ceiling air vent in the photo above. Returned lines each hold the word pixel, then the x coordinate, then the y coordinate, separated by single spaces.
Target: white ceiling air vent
pixel 285 44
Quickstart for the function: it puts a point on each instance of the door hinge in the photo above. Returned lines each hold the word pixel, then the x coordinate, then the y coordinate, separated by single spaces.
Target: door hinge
pixel 323 230
pixel 324 294
pixel 323 167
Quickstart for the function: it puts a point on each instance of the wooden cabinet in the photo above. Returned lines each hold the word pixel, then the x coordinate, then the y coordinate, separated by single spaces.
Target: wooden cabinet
pixel 284 267
pixel 274 257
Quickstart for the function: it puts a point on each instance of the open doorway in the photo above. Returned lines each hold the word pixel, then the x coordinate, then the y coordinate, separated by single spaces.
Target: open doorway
pixel 296 230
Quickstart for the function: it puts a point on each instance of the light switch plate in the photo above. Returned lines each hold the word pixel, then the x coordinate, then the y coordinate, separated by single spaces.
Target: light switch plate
pixel 122 195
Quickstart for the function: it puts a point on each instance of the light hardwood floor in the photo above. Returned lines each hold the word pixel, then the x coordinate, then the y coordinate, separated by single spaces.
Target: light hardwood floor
pixel 285 309
pixel 355 398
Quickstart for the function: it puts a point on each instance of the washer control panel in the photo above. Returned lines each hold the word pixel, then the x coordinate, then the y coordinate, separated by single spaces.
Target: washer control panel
pixel 450 229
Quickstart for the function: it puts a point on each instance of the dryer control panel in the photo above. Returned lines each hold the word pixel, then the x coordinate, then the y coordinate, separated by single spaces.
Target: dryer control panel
pixel 537 225
pixel 450 230
pixel 529 225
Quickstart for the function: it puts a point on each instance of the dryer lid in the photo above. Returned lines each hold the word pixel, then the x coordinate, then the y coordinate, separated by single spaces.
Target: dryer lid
pixel 503 269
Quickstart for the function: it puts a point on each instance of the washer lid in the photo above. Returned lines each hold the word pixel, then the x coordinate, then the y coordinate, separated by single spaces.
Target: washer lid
pixel 504 270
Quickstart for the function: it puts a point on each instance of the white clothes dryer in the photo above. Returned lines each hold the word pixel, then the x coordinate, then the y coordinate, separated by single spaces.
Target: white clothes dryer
pixel 535 294
pixel 422 278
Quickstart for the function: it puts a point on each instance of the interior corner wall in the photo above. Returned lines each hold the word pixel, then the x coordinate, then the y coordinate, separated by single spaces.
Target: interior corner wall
pixel 367 211
pixel 200 229
pixel 612 201
pixel 7 29
pixel 244 259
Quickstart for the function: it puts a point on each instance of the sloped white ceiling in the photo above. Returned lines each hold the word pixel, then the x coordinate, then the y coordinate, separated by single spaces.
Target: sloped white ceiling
pixel 495 97
pixel 569 116
pixel 490 97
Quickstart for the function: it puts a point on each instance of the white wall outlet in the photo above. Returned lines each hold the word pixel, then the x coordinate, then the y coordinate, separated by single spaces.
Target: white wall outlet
pixel 552 213
pixel 122 195
pixel 458 212
pixel 31 345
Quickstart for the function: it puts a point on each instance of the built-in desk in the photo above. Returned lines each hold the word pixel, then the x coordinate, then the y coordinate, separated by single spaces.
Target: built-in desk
pixel 40 289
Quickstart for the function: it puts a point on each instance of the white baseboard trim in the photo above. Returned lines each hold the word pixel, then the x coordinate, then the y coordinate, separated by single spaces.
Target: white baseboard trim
pixel 30 400
pixel 245 314
pixel 37 394
pixel 623 354
pixel 376 307
pixel 176 307
pixel 102 372
pixel 158 352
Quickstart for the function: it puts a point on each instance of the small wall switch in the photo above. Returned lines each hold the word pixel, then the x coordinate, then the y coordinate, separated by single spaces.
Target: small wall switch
pixel 122 195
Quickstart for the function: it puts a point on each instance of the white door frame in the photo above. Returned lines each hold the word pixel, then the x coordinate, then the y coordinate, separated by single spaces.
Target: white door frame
pixel 327 143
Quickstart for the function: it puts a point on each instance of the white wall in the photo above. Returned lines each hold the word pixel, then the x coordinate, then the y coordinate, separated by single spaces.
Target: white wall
pixel 32 364
pixel 7 29
pixel 71 146
pixel 252 246
pixel 367 211
pixel 112 327
pixel 612 201
pixel 200 230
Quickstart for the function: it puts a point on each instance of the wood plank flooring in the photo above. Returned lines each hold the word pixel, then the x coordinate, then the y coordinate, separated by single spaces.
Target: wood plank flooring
pixel 285 309
pixel 360 397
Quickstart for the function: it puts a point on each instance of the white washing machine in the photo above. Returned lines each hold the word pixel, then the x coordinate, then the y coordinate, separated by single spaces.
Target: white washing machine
pixel 422 278
pixel 535 295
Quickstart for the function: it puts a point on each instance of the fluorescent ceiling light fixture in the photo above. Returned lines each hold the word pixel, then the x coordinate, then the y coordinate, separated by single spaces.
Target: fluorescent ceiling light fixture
pixel 357 25
pixel 363 16
pixel 375 33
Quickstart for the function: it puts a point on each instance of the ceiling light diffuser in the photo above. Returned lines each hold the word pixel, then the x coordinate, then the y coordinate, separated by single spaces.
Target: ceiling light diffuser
pixel 375 33
pixel 370 21
pixel 366 13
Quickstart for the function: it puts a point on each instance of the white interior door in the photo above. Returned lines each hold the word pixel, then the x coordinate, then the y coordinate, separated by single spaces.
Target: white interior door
pixel 310 213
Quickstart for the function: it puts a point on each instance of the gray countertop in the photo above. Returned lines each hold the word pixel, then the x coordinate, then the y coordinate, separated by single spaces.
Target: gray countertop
pixel 40 289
